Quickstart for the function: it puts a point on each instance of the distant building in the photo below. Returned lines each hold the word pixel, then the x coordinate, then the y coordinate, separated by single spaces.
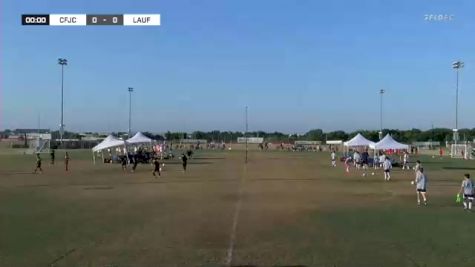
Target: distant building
pixel 27 131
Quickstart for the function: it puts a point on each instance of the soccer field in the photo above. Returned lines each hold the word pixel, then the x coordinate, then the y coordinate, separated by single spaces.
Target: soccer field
pixel 281 209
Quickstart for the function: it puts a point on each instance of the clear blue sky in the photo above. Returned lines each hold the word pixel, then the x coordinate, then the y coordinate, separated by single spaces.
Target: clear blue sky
pixel 297 64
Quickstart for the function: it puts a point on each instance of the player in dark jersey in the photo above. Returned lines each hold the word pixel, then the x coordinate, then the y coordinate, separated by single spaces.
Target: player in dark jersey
pixel 135 159
pixel 184 160
pixel 52 156
pixel 38 163
pixel 157 168
pixel 66 161
pixel 124 163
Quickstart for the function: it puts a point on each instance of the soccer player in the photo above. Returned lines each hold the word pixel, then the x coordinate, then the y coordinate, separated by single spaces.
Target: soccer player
pixel 333 156
pixel 347 163
pixel 184 160
pixel 357 159
pixel 365 159
pixel 66 161
pixel 405 164
pixel 421 186
pixel 387 166
pixel 418 165
pixel 38 163
pixel 382 157
pixel 189 153
pixel 468 191
pixel 157 169
pixel 124 163
pixel 135 159
pixel 52 156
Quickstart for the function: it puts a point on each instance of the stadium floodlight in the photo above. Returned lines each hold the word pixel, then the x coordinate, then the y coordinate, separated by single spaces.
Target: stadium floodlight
pixel 63 62
pixel 457 65
pixel 130 110
pixel 381 92
pixel 245 135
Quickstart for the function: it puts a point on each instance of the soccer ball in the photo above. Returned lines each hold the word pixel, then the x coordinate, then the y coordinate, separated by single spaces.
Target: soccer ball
pixel 372 173
pixel 364 174
pixel 163 164
pixel 412 182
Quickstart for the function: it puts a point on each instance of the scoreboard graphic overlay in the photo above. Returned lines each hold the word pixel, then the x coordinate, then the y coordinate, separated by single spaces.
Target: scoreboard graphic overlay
pixel 91 19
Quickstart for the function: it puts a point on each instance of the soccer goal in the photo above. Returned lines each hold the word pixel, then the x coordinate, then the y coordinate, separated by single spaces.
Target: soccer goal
pixel 39 145
pixel 462 151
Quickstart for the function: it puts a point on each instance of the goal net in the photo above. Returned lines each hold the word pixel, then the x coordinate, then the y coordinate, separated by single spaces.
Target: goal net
pixel 462 151
pixel 39 145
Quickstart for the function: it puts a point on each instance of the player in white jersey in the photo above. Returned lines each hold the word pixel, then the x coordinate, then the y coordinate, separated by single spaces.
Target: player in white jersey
pixel 405 161
pixel 387 166
pixel 333 156
pixel 347 163
pixel 468 192
pixel 421 186
pixel 357 159
pixel 382 157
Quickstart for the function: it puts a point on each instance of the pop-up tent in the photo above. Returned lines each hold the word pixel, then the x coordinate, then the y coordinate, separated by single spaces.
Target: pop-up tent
pixel 139 138
pixel 388 143
pixel 109 142
pixel 358 141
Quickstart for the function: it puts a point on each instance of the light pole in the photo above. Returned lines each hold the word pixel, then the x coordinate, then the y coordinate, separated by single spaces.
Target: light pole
pixel 457 65
pixel 245 135
pixel 130 110
pixel 63 62
pixel 381 92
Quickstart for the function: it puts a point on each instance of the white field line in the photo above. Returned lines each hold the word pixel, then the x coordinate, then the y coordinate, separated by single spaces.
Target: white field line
pixel 237 210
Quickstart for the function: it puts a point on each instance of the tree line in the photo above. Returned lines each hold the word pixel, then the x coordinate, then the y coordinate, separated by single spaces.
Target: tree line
pixel 407 136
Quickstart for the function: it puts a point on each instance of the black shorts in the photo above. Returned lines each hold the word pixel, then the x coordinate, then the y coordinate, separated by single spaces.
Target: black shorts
pixel 421 190
pixel 387 171
pixel 468 196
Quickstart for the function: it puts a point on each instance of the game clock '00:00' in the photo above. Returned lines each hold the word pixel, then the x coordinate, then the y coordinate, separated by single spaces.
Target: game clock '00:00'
pixel 35 19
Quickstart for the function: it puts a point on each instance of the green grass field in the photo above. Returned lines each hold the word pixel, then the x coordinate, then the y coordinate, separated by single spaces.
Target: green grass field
pixel 281 209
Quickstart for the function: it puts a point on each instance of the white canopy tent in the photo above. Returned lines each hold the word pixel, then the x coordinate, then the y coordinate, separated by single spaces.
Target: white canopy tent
pixel 388 143
pixel 358 140
pixel 139 138
pixel 109 142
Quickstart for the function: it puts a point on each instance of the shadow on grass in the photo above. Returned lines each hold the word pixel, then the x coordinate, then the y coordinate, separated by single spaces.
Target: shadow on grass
pixel 248 265
pixel 459 168
pixel 283 179
pixel 157 181
pixel 99 188
pixel 189 163
pixel 17 173
pixel 208 158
